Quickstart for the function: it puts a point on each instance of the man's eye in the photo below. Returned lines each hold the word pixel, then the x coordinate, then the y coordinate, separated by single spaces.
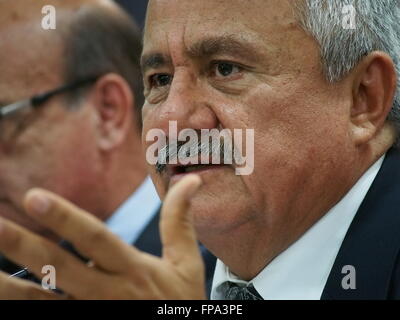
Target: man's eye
pixel 160 80
pixel 225 69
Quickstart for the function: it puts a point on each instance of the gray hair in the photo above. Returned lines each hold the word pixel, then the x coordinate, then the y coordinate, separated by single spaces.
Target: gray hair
pixel 377 28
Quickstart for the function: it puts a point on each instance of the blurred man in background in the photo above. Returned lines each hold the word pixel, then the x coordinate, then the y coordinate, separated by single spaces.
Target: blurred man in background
pixel 84 141
pixel 79 134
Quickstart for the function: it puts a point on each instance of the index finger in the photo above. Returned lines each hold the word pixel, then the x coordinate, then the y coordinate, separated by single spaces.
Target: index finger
pixel 88 234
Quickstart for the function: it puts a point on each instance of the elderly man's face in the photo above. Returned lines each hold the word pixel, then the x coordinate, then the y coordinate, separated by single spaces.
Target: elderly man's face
pixel 248 65
pixel 51 147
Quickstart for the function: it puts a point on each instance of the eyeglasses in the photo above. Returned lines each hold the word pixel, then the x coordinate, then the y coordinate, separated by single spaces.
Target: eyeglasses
pixel 8 125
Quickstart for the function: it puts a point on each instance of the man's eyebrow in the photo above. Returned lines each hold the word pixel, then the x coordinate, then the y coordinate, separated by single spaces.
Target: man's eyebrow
pixel 154 61
pixel 230 45
pixel 224 45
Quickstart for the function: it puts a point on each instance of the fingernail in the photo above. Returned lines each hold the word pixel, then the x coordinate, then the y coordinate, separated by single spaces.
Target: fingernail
pixel 39 204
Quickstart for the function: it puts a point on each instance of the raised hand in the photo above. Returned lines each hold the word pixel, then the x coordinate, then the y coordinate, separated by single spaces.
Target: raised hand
pixel 116 270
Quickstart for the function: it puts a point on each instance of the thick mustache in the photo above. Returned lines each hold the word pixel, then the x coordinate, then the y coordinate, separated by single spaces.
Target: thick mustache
pixel 183 149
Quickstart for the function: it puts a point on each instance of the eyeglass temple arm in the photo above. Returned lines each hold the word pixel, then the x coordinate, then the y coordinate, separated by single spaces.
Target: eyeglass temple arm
pixel 42 98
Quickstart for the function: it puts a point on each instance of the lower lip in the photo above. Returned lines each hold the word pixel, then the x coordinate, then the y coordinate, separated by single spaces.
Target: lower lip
pixel 200 172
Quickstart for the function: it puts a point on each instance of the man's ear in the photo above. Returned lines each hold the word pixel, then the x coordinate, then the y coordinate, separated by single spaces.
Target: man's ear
pixel 374 88
pixel 114 102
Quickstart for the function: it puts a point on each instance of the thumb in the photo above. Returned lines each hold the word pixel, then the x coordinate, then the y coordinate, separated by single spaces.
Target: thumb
pixel 177 232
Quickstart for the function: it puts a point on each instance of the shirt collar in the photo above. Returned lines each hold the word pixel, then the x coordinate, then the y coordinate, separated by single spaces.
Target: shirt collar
pixel 132 217
pixel 301 271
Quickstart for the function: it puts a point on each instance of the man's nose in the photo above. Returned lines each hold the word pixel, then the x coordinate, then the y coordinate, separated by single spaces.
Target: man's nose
pixel 189 104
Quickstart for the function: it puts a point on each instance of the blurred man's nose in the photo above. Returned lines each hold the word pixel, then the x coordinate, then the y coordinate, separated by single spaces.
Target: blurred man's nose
pixel 188 103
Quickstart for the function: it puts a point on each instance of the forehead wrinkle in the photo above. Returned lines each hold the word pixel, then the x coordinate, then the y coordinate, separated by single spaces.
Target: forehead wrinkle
pixel 157 59
pixel 180 48
pixel 177 46
pixel 225 44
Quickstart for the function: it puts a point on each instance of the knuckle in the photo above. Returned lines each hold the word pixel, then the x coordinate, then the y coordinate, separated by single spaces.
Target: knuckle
pixel 98 235
pixel 94 237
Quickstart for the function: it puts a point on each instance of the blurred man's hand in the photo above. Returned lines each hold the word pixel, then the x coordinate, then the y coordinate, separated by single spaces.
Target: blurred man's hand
pixel 116 270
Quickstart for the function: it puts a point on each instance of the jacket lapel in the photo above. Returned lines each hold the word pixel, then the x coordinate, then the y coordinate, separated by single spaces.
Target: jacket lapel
pixel 149 241
pixel 372 242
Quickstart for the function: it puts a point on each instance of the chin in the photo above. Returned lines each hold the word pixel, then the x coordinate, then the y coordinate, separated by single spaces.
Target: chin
pixel 217 214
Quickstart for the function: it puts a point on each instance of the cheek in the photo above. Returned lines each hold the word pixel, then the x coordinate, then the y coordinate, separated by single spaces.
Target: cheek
pixel 57 161
pixel 295 135
pixel 74 154
pixel 295 114
pixel 26 164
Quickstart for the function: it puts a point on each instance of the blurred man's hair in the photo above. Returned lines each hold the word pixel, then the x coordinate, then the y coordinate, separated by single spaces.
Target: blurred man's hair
pixel 99 42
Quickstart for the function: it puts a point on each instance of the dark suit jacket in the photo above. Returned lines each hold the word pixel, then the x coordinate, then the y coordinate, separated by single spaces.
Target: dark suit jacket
pixel 149 241
pixel 372 243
